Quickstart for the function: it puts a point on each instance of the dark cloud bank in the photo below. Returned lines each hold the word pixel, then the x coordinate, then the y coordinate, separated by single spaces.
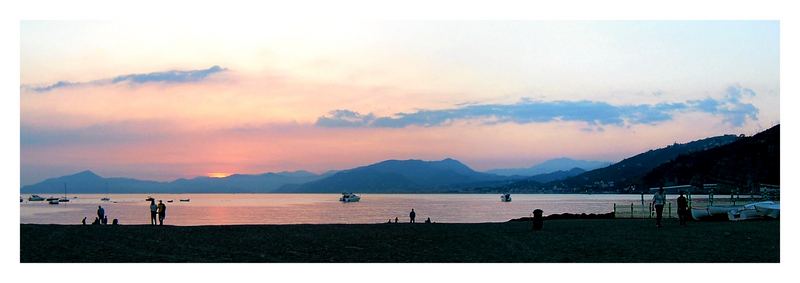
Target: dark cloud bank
pixel 595 113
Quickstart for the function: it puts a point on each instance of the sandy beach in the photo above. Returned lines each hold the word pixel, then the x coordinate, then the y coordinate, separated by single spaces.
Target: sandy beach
pixel 600 240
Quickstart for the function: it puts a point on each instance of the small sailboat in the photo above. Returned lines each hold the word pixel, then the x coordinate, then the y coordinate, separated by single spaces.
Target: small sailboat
pixel 106 198
pixel 505 197
pixel 64 199
pixel 349 197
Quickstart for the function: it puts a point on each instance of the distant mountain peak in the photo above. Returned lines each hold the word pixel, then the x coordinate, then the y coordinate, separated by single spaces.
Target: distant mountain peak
pixel 85 173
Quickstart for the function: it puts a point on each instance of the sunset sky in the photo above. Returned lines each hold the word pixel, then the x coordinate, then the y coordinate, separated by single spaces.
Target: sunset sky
pixel 165 100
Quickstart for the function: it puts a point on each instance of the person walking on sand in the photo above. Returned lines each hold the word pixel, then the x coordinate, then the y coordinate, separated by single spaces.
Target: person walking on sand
pixel 395 220
pixel 153 212
pixel 162 212
pixel 412 215
pixel 100 212
pixel 83 221
pixel 659 199
pixel 683 212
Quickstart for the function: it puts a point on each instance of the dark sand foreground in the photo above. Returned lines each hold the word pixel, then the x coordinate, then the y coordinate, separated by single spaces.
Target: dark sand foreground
pixel 613 240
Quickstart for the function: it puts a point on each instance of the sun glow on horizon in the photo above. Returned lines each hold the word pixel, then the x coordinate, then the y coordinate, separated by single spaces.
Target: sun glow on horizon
pixel 218 174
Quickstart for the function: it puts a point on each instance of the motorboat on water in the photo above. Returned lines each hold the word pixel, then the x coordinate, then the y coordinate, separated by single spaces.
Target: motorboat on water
pixel 105 199
pixel 149 198
pixel 349 197
pixel 169 201
pixel 51 199
pixel 505 197
pixel 185 200
pixel 64 199
pixel 35 198
pixel 54 201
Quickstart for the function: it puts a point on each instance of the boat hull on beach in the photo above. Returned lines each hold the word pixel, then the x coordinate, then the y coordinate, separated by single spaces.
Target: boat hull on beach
pixel 712 212
pixel 771 210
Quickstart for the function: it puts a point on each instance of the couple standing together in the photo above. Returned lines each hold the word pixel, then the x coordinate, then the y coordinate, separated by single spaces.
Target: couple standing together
pixel 160 210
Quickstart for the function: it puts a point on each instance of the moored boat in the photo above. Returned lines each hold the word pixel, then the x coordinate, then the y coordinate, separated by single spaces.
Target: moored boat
pixel 185 200
pixel 349 197
pixel 54 201
pixel 149 198
pixel 35 198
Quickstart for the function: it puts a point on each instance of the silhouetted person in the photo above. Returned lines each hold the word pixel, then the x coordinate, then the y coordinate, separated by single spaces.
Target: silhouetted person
pixel 96 221
pixel 162 212
pixel 683 207
pixel 100 212
pixel 428 220
pixel 115 222
pixel 105 220
pixel 83 221
pixel 396 220
pixel 659 199
pixel 153 212
pixel 412 215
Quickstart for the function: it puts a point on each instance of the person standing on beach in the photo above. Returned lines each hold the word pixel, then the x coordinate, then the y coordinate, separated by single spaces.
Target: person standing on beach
pixel 412 215
pixel 162 212
pixel 659 199
pixel 683 206
pixel 153 212
pixel 100 212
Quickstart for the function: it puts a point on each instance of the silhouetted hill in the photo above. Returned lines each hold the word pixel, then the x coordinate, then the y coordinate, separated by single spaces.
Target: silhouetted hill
pixel 550 166
pixel 89 182
pixel 557 175
pixel 399 176
pixel 743 164
pixel 620 176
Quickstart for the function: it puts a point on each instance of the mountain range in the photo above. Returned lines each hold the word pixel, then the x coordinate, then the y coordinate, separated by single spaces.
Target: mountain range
pixel 727 158
pixel 552 165
pixel 89 182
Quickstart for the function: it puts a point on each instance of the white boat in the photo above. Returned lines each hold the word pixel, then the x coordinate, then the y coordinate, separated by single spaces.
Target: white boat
pixel 744 214
pixel 713 212
pixel 54 201
pixel 349 197
pixel 505 197
pixel 769 209
pixel 35 198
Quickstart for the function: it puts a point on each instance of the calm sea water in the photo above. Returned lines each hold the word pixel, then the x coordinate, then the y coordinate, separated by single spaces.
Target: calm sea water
pixel 226 209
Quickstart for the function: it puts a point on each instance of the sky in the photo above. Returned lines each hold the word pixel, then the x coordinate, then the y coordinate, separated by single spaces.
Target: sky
pixel 167 100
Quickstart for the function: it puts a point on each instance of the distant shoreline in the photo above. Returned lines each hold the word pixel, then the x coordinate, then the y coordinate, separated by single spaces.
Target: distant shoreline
pixel 602 240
